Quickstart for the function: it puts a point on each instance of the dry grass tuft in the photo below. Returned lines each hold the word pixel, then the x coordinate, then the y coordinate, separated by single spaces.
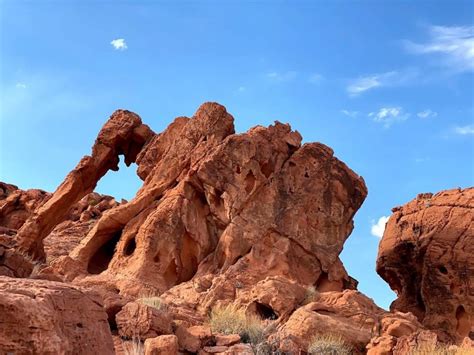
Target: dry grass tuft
pixel 154 302
pixel 310 295
pixel 133 347
pixel 232 320
pixel 329 345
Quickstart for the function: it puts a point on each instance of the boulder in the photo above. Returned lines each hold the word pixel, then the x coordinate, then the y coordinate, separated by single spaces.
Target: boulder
pixel 426 257
pixel 46 317
pixel 137 320
pixel 162 345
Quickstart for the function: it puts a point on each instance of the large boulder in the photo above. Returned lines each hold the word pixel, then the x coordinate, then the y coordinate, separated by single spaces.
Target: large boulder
pixel 426 255
pixel 45 317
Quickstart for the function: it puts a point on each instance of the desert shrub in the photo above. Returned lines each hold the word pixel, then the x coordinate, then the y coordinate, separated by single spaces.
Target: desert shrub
pixel 441 350
pixel 133 347
pixel 154 302
pixel 310 295
pixel 232 320
pixel 328 345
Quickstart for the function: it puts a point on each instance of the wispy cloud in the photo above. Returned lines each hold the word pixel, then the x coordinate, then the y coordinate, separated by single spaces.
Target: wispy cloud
pixel 464 130
pixel 351 114
pixel 427 114
pixel 454 44
pixel 119 44
pixel 241 89
pixel 282 77
pixel 389 115
pixel 20 85
pixel 377 228
pixel 315 78
pixel 388 79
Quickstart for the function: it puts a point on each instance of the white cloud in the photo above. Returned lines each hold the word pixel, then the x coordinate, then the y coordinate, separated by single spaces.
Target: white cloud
pixel 352 114
pixel 389 115
pixel 427 114
pixel 282 77
pixel 119 44
pixel 20 85
pixel 378 228
pixel 464 130
pixel 315 78
pixel 241 89
pixel 388 79
pixel 454 44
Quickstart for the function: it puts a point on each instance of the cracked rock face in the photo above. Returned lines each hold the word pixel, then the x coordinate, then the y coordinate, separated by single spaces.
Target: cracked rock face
pixel 426 255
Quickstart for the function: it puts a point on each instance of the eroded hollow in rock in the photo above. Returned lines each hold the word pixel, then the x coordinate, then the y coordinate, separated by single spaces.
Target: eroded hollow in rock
pixel 130 247
pixel 101 258
pixel 263 311
pixel 189 252
pixel 464 325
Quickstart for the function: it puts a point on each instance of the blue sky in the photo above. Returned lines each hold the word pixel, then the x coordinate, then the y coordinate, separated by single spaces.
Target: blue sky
pixel 388 85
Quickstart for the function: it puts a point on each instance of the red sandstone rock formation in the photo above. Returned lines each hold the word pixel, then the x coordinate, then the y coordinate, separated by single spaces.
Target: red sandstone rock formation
pixel 254 219
pixel 124 134
pixel 44 317
pixel 426 255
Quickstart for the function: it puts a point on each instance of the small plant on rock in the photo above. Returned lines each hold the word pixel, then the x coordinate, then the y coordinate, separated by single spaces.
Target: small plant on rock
pixel 310 295
pixel 328 345
pixel 154 302
pixel 133 347
pixel 232 320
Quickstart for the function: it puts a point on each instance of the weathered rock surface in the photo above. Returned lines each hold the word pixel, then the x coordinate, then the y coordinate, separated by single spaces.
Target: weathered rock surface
pixel 255 219
pixel 137 320
pixel 44 317
pixel 214 203
pixel 426 255
pixel 124 134
pixel 162 345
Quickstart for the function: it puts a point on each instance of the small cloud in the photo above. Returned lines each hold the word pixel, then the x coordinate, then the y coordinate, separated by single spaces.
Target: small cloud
pixel 420 160
pixel 119 44
pixel 427 114
pixel 241 89
pixel 464 130
pixel 388 79
pixel 315 78
pixel 281 77
pixel 454 44
pixel 378 228
pixel 352 114
pixel 20 85
pixel 388 115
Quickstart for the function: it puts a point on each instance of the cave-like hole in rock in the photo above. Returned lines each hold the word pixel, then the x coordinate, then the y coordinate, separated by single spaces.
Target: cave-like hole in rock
pixel 443 269
pixel 249 182
pixel 130 246
pixel 266 169
pixel 101 258
pixel 264 311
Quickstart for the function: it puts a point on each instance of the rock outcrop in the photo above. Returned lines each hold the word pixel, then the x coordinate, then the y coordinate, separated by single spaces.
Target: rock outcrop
pixel 255 220
pixel 44 317
pixel 426 255
pixel 123 134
